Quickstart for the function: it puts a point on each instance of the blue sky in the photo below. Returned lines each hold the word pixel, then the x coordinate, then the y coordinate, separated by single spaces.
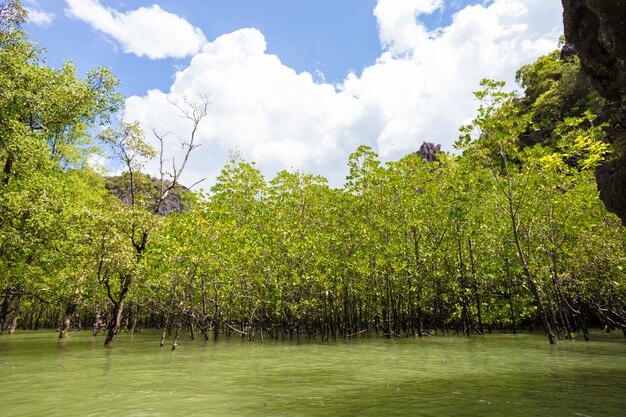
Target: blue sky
pixel 307 36
pixel 331 36
pixel 307 82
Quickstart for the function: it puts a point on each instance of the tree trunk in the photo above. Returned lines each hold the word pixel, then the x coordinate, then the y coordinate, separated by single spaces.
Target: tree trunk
pixel 97 324
pixel 118 309
pixel 136 319
pixel 67 320
pixel 475 287
pixel 510 295
pixel 175 343
pixel 164 334
pixel 217 320
pixel 116 321
pixel 38 319
pixel 16 313
pixel 203 321
pixel 4 310
pixel 533 289
pixel 530 278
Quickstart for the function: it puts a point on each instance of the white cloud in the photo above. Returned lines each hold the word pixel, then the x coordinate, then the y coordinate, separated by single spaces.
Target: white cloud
pixel 420 88
pixel 146 31
pixel 398 28
pixel 263 109
pixel 39 17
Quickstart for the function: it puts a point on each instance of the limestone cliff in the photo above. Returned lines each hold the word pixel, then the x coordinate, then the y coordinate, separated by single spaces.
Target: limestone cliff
pixel 597 31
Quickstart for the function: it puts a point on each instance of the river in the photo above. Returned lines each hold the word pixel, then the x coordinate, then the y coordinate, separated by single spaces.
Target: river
pixel 434 376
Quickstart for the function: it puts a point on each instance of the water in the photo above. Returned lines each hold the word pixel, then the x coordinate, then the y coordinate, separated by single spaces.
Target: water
pixel 436 376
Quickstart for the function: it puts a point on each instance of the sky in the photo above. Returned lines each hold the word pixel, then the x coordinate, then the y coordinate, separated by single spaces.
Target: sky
pixel 298 85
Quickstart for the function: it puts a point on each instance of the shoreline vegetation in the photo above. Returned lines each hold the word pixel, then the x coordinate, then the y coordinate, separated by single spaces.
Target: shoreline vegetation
pixel 506 233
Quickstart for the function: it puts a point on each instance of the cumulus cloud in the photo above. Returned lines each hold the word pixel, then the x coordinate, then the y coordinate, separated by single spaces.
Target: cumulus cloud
pixel 398 29
pixel 420 88
pixel 423 83
pixel 259 107
pixel 146 31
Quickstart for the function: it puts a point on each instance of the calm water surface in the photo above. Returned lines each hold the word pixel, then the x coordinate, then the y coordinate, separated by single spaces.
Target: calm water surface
pixel 498 375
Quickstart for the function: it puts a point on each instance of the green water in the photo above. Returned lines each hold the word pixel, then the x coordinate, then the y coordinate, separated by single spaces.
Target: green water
pixel 499 375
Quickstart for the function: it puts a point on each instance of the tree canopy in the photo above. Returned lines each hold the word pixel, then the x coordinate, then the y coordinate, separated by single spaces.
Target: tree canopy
pixel 508 232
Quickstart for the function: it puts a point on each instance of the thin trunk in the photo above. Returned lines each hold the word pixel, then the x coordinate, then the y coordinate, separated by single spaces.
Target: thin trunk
pixel 118 310
pixel 510 281
pixel 16 313
pixel 97 324
pixel 530 281
pixel 465 317
pixel 563 303
pixel 136 319
pixel 420 313
pixel 530 278
pixel 4 311
pixel 419 277
pixel 217 320
pixel 203 322
pixel 583 310
pixel 192 326
pixel 67 320
pixel 475 287
pixel 38 319
pixel 164 334
pixel 175 343
pixel 552 317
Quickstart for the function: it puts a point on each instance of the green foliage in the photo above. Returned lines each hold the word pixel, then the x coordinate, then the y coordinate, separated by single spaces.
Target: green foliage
pixel 554 90
pixel 509 233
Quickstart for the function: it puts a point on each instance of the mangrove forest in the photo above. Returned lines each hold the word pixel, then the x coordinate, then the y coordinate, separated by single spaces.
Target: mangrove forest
pixel 505 234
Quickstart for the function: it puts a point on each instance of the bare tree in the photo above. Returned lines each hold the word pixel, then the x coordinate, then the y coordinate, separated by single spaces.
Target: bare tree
pixel 194 111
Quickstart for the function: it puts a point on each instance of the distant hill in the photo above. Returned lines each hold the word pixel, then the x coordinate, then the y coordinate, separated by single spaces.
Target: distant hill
pixel 147 192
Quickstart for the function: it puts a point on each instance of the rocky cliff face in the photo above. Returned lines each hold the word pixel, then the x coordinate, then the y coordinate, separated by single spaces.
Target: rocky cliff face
pixel 147 189
pixel 429 151
pixel 596 29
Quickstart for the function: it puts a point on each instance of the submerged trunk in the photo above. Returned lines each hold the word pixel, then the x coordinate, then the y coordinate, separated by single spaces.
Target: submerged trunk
pixel 530 277
pixel 118 309
pixel 134 328
pixel 97 324
pixel 16 313
pixel 4 310
pixel 38 318
pixel 530 281
pixel 175 343
pixel 116 321
pixel 67 320
pixel 164 333
pixel 477 301
pixel 510 293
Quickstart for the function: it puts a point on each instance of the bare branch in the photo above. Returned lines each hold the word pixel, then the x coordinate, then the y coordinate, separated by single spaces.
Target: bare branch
pixel 196 183
pixel 194 111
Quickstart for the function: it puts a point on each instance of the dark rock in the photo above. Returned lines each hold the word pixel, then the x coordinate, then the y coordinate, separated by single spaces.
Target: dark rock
pixel 597 31
pixel 568 52
pixel 611 179
pixel 429 151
